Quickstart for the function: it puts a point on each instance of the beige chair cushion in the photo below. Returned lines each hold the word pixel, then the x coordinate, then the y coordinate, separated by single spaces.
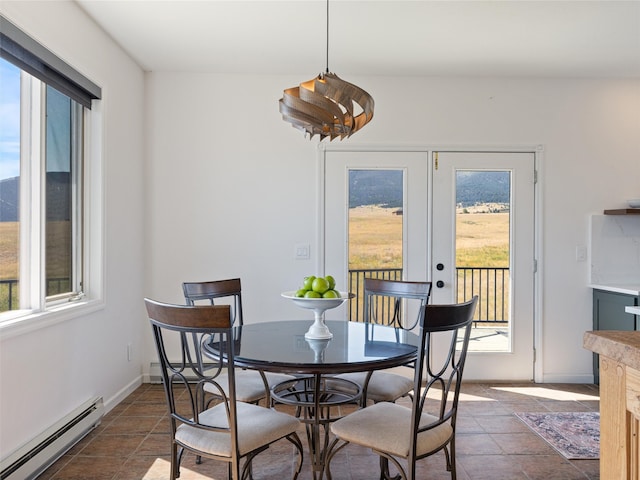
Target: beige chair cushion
pixel 387 426
pixel 383 386
pixel 249 384
pixel 257 426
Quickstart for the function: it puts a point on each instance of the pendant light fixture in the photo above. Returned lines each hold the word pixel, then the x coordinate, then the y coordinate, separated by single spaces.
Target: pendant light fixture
pixel 327 105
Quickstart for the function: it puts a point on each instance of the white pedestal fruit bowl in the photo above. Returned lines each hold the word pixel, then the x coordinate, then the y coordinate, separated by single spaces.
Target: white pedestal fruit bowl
pixel 318 329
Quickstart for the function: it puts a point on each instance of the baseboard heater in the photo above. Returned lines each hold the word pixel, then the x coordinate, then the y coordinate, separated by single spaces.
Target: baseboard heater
pixel 36 456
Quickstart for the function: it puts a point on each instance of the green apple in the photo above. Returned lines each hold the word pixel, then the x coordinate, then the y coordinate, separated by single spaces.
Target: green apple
pixel 331 294
pixel 312 294
pixel 332 282
pixel 301 292
pixel 308 282
pixel 320 285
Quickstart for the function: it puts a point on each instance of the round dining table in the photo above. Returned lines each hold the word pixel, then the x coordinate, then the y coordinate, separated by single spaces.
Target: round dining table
pixel 281 346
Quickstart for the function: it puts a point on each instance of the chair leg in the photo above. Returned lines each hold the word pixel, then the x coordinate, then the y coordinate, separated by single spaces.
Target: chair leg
pixel 451 458
pixel 234 470
pixel 295 439
pixel 175 462
pixel 335 446
pixel 246 472
pixel 384 468
pixel 385 474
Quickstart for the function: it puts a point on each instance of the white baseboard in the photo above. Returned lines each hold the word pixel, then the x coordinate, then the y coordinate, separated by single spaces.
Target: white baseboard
pixel 560 378
pixel 123 393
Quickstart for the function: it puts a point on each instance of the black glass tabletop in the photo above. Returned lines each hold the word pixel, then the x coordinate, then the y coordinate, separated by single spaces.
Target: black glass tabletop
pixel 282 347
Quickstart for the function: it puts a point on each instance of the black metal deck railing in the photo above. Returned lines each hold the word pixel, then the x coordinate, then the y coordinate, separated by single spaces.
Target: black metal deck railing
pixel 491 284
pixel 356 285
pixel 9 291
pixel 8 294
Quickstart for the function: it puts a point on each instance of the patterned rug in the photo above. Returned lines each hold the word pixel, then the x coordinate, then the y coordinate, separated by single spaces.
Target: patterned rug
pixel 575 435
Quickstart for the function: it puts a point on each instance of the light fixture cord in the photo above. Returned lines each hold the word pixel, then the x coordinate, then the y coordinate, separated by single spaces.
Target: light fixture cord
pixel 327 36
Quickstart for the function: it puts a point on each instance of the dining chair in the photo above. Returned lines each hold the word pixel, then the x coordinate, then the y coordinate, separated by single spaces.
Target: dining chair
pixel 251 385
pixel 396 432
pixel 231 430
pixel 384 304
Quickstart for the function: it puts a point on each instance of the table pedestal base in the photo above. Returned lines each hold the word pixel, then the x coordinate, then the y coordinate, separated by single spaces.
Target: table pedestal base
pixel 313 400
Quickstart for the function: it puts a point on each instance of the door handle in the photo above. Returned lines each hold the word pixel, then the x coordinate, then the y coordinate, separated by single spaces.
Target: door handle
pixel 439 284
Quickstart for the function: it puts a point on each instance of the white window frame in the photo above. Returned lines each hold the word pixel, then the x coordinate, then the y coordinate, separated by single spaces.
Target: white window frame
pixel 36 311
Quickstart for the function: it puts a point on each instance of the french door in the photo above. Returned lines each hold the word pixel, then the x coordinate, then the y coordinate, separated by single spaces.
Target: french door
pixel 487 249
pixel 463 220
pixel 374 218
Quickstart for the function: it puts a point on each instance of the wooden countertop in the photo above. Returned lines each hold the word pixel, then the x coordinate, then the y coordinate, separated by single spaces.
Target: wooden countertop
pixel 621 346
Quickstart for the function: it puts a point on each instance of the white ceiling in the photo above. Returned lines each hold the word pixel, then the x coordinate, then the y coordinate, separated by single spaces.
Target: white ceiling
pixel 377 37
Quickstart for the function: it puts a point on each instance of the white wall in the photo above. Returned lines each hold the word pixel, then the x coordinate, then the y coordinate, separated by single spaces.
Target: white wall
pixel 246 180
pixel 47 373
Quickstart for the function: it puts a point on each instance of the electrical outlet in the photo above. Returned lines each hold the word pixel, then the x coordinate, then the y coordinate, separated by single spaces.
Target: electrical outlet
pixel 581 253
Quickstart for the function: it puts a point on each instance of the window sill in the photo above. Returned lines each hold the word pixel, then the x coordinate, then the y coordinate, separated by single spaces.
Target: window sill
pixel 13 327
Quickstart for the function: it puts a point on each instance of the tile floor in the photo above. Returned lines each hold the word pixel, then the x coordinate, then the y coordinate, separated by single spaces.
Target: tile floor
pixel 132 442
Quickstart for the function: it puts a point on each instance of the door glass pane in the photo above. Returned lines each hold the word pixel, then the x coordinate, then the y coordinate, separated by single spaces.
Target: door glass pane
pixel 9 186
pixel 483 201
pixel 374 231
pixel 59 255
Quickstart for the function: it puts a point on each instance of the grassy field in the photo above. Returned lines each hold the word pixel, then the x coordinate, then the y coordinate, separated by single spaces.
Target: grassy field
pixel 9 265
pixel 375 241
pixel 58 235
pixel 482 239
pixel 9 236
pixel 375 238
pixel 58 259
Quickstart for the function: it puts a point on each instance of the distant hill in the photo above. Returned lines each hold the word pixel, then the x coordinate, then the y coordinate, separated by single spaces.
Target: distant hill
pixel 482 187
pixel 9 195
pixel 375 187
pixel 384 187
pixel 58 197
pixel 366 187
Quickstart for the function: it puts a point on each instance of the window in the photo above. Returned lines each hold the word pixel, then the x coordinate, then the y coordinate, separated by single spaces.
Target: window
pixel 44 148
pixel 376 201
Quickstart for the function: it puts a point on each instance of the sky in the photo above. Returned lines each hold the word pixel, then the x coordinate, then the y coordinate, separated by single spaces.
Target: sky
pixel 9 120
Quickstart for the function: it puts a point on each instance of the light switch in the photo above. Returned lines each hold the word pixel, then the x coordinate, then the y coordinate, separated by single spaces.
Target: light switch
pixel 302 251
pixel 581 253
